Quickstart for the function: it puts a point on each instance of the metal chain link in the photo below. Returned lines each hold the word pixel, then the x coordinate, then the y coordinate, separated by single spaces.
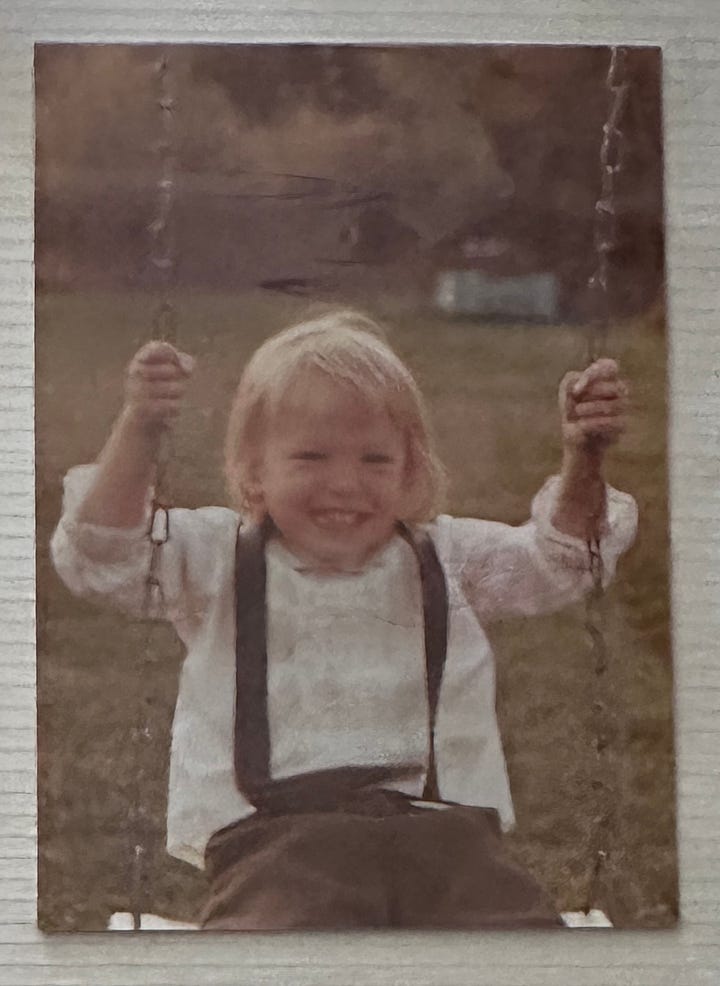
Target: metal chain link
pixel 162 257
pixel 165 320
pixel 606 243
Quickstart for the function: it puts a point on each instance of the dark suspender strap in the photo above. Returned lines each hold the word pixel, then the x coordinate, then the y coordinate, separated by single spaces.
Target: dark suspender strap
pixel 252 732
pixel 435 620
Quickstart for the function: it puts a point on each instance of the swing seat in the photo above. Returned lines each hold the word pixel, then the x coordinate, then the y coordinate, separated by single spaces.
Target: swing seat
pixel 123 921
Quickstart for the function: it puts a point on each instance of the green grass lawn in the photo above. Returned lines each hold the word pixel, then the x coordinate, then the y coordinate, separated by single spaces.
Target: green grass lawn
pixel 492 392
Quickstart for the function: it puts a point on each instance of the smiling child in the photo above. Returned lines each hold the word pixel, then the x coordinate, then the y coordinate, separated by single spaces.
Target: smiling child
pixel 336 759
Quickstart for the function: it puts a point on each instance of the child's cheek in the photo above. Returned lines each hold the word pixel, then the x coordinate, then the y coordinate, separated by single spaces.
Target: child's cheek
pixel 302 487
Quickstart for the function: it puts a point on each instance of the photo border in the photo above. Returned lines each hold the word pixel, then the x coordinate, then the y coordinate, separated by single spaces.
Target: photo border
pixel 688 956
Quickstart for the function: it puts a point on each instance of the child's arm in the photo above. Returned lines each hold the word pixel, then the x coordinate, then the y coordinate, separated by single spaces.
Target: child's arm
pixel 155 386
pixel 593 406
pixel 100 548
pixel 543 565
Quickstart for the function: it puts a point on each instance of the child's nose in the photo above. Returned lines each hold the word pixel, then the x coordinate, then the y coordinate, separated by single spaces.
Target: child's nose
pixel 344 477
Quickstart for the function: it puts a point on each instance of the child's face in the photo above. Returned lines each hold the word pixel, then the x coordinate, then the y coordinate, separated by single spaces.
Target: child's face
pixel 332 474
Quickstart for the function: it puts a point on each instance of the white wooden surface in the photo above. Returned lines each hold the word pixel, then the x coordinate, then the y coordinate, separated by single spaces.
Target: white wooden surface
pixel 689 31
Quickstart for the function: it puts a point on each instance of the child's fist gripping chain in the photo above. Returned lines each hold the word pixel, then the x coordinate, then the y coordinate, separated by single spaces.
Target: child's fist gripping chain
pixel 155 384
pixel 593 405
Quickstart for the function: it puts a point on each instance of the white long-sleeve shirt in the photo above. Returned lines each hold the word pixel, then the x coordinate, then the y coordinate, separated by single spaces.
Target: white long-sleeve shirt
pixel 346 664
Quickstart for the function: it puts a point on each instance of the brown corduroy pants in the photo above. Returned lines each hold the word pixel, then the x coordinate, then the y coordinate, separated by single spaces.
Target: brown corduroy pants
pixel 370 866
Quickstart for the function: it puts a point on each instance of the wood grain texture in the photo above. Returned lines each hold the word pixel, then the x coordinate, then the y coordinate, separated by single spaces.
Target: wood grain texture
pixel 690 956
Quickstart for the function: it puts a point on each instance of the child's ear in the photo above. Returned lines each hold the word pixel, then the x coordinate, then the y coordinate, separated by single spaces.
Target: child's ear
pixel 254 487
pixel 254 501
pixel 253 492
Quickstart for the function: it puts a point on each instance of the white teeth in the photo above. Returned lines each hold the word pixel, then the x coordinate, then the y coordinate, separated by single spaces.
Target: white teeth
pixel 339 518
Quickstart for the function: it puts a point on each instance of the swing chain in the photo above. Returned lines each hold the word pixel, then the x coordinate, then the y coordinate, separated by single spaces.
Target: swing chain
pixel 606 226
pixel 164 258
pixel 164 324
pixel 606 242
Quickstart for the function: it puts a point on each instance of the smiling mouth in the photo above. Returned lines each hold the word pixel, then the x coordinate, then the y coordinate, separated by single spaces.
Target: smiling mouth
pixel 340 519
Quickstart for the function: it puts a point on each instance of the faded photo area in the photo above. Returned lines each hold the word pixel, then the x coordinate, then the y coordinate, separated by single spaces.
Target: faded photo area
pixel 427 681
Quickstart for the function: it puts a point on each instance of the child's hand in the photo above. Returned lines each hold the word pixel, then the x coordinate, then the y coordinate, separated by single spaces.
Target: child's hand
pixel 155 384
pixel 593 405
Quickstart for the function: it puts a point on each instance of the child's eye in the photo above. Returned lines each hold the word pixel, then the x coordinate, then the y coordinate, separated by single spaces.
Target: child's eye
pixel 378 458
pixel 308 455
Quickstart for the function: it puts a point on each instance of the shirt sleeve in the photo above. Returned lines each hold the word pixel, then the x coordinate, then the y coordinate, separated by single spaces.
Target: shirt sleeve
pixel 112 565
pixel 533 568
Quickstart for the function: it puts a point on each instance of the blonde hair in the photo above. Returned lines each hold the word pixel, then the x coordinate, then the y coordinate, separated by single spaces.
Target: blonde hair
pixel 351 349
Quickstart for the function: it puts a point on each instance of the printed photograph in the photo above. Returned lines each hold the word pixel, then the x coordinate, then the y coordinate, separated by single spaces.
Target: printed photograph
pixel 353 569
